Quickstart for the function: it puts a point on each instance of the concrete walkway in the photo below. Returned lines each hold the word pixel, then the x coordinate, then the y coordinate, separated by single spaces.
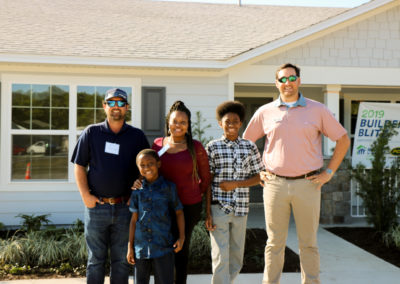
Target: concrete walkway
pixel 341 262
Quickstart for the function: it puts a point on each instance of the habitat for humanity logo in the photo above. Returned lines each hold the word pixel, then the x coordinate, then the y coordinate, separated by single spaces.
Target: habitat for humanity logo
pixel 362 150
pixel 395 151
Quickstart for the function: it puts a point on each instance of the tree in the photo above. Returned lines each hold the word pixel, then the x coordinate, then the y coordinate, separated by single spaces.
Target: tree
pixel 198 129
pixel 379 187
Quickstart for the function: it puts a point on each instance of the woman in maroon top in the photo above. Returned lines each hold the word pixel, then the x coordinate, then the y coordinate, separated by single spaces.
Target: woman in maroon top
pixel 184 161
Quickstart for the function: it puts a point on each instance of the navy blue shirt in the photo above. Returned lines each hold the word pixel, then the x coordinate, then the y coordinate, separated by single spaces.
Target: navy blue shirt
pixel 153 237
pixel 111 158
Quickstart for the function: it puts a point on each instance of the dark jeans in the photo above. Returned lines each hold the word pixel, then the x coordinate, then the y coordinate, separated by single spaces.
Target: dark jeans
pixel 192 217
pixel 163 269
pixel 107 228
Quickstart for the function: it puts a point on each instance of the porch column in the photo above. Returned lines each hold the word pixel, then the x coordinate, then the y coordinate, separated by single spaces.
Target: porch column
pixel 331 100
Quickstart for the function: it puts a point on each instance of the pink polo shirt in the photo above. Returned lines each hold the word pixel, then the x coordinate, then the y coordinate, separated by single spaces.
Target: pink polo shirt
pixel 293 144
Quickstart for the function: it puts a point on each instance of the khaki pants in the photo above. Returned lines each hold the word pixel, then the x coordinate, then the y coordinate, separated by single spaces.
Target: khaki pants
pixel 304 198
pixel 227 245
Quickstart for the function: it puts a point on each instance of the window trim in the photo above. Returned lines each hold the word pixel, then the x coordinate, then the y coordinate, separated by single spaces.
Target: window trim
pixel 8 79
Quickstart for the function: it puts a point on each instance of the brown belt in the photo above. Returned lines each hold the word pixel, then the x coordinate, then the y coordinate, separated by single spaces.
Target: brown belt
pixel 302 176
pixel 114 200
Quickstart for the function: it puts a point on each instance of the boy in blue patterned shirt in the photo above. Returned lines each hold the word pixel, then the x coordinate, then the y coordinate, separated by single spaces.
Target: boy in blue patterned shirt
pixel 235 164
pixel 150 239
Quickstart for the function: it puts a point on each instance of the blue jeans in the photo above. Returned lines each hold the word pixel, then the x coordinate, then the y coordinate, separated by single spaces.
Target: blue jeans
pixel 107 227
pixel 163 268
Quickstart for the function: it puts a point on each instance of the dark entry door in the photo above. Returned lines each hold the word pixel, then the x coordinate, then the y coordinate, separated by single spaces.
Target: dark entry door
pixel 153 112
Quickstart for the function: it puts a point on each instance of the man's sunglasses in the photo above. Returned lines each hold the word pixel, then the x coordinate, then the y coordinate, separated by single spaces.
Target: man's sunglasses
pixel 290 78
pixel 119 103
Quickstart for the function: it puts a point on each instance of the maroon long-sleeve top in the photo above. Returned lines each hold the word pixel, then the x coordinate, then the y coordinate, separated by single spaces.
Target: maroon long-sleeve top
pixel 178 168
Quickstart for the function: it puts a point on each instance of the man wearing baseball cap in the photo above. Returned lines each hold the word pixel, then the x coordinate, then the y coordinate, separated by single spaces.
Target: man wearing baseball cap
pixel 105 169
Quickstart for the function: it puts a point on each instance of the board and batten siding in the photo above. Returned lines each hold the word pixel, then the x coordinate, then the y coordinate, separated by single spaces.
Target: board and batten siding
pixel 373 42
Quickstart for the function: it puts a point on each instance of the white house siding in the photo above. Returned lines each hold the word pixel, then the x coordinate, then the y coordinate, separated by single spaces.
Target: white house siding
pixel 202 94
pixel 64 206
pixel 374 42
pixel 61 199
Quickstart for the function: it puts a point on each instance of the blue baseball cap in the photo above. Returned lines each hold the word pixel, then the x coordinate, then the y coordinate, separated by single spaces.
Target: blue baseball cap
pixel 116 93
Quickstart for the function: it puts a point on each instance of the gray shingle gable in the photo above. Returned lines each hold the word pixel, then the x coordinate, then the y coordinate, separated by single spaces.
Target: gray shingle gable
pixel 138 29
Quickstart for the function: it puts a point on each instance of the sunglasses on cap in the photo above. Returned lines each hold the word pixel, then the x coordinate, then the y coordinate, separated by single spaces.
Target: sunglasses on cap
pixel 291 78
pixel 118 103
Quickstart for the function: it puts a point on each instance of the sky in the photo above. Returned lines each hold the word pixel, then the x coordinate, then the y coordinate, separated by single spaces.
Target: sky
pixel 316 3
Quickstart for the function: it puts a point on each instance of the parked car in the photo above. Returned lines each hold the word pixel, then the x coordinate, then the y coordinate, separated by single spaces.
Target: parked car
pixel 37 148
pixel 42 147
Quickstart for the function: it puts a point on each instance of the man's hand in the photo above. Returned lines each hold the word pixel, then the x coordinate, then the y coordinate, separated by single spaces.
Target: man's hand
pixel 178 245
pixel 90 200
pixel 209 223
pixel 130 256
pixel 228 185
pixel 321 178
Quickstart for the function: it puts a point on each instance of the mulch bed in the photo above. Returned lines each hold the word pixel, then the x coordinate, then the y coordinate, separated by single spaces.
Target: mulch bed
pixel 369 240
pixel 254 256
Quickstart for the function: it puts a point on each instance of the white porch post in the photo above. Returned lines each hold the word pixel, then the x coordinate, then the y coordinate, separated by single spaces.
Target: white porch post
pixel 331 100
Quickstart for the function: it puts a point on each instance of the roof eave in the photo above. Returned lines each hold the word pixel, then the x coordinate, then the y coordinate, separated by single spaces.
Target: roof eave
pixel 113 62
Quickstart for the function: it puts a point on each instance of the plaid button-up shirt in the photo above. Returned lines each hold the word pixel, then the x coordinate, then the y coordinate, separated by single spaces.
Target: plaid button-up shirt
pixel 233 160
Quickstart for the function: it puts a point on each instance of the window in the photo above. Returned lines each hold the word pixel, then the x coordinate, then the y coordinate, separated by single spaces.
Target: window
pixel 45 108
pixel 44 117
pixel 40 106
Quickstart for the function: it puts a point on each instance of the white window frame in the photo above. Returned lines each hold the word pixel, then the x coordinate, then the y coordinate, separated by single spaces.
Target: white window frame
pixel 8 79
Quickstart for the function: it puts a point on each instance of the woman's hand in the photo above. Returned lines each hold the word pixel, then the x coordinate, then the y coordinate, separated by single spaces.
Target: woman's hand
pixel 137 184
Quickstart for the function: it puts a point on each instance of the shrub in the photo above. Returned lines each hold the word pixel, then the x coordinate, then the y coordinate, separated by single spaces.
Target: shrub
pixel 33 223
pixel 40 249
pixel 392 237
pixel 379 187
pixel 200 249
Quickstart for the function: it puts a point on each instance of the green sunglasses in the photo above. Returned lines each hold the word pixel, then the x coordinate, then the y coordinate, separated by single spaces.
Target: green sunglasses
pixel 119 103
pixel 291 78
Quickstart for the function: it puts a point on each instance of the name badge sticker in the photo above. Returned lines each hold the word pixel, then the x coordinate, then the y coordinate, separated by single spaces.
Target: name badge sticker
pixel 163 150
pixel 112 148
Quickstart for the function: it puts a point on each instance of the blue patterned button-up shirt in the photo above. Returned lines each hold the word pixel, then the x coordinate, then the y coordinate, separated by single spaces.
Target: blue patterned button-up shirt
pixel 153 237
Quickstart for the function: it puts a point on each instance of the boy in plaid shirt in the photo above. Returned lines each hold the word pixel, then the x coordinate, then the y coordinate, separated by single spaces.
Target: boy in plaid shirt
pixel 235 164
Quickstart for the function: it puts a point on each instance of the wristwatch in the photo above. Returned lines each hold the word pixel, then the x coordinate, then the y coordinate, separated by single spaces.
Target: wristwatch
pixel 329 171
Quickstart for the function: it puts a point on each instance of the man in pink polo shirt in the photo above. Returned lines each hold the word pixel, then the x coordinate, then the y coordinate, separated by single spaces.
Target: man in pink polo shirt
pixel 293 127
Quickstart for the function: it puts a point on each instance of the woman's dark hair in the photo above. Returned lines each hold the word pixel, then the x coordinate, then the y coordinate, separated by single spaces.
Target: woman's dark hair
pixel 180 106
pixel 148 152
pixel 231 106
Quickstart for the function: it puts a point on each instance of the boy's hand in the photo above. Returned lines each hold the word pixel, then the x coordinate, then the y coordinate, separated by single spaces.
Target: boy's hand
pixel 137 184
pixel 209 223
pixel 227 185
pixel 178 245
pixel 130 257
